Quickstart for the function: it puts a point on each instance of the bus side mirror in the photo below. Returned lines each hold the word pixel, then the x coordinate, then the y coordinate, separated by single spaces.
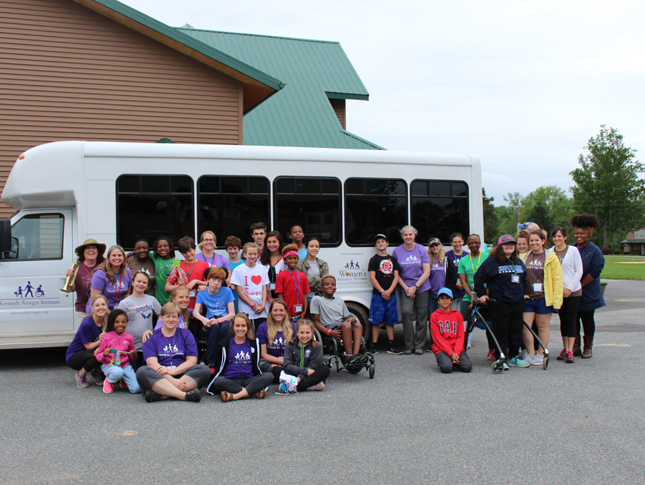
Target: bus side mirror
pixel 6 241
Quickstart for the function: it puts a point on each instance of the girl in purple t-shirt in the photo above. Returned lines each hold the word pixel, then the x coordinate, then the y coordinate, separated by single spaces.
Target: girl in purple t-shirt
pixel 273 335
pixel 237 371
pixel 112 278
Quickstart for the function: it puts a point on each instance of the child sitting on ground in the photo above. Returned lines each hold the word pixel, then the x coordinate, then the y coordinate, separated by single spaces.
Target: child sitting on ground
pixel 331 318
pixel 447 330
pixel 303 358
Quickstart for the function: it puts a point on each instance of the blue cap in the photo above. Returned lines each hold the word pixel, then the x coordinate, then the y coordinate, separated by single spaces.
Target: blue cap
pixel 444 291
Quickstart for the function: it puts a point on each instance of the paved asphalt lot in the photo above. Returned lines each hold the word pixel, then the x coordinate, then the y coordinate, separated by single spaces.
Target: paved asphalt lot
pixel 572 423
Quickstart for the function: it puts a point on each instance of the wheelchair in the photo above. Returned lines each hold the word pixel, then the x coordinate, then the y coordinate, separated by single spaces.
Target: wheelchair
pixel 332 356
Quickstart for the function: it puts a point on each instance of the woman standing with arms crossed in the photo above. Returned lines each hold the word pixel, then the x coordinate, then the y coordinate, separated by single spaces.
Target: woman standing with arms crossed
pixel 90 254
pixel 504 274
pixel 593 263
pixel 571 275
pixel 415 289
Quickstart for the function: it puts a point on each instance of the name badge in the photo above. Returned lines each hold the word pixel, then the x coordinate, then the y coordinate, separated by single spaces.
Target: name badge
pixel 515 279
pixel 192 293
pixel 537 287
pixel 298 308
pixel 272 286
pixel 171 367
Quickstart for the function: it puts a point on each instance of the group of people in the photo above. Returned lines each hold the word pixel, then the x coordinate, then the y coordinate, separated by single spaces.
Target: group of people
pixel 258 310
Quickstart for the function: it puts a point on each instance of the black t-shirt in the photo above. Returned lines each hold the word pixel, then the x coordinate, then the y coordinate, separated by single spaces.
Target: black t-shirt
pixel 384 266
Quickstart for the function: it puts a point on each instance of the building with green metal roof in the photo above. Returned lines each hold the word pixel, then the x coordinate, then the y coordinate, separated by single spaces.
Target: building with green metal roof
pixel 309 111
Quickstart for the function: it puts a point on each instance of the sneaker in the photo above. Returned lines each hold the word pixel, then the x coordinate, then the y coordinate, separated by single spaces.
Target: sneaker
pixel 408 352
pixel 318 387
pixel 393 350
pixel 371 348
pixel 151 396
pixel 81 381
pixel 537 359
pixel 570 359
pixel 491 355
pixel 122 384
pixel 98 376
pixel 193 395
pixel 517 362
pixel 563 355
pixel 418 352
pixel 108 387
pixel 528 358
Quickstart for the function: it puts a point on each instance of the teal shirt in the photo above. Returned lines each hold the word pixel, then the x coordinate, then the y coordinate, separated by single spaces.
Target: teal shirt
pixel 469 266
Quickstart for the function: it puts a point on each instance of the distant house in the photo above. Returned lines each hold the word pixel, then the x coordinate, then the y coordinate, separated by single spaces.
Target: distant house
pixel 634 243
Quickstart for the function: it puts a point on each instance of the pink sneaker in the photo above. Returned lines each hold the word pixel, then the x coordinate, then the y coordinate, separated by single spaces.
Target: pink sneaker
pixel 108 387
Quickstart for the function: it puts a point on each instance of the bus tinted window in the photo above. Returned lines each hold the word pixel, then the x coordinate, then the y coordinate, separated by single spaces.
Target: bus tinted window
pixel 439 208
pixel 149 206
pixel 313 203
pixel 374 206
pixel 229 205
pixel 38 236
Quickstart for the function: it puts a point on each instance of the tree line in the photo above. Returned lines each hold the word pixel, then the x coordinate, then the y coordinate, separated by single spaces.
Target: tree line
pixel 606 183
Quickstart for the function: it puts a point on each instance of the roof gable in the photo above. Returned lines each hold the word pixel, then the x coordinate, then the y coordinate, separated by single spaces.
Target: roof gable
pixel 313 71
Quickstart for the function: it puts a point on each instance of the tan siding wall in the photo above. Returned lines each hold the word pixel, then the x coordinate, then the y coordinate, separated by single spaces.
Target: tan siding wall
pixel 339 109
pixel 68 73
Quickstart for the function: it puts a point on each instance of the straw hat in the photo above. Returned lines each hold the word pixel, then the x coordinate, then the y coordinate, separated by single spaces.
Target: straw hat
pixel 90 242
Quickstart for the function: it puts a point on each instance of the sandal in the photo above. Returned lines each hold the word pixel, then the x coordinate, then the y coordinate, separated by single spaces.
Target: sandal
pixel 260 394
pixel 226 396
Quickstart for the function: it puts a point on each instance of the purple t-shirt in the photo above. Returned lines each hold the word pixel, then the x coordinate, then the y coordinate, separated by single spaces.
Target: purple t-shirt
pixel 171 351
pixel 437 277
pixel 113 292
pixel 455 260
pixel 276 349
pixel 239 360
pixel 87 333
pixel 411 263
pixel 215 260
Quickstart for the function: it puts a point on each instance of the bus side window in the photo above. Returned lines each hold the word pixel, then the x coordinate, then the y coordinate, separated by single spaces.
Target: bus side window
pixel 149 206
pixel 39 236
pixel 311 202
pixel 228 205
pixel 375 206
pixel 439 208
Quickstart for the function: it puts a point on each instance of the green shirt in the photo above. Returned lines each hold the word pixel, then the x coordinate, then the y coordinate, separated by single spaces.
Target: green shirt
pixel 162 271
pixel 469 266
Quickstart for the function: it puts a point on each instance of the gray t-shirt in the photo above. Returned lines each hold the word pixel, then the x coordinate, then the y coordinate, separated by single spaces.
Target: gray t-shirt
pixel 313 272
pixel 139 316
pixel 332 312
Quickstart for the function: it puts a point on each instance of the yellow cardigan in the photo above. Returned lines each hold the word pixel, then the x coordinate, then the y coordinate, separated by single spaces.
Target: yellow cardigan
pixel 553 283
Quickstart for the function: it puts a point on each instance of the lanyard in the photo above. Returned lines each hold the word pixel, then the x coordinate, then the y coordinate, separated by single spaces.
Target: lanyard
pixel 209 264
pixel 478 258
pixel 536 272
pixel 191 269
pixel 118 289
pixel 297 285
pixel 514 270
pixel 87 269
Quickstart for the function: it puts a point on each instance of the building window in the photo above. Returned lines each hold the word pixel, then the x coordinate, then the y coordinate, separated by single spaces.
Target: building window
pixel 38 236
pixel 375 206
pixel 228 205
pixel 439 208
pixel 313 203
pixel 150 206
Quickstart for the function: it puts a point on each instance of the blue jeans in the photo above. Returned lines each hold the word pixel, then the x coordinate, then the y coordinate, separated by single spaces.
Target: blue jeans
pixel 114 374
pixel 214 334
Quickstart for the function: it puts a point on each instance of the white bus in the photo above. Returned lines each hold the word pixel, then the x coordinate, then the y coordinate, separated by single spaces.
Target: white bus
pixel 67 192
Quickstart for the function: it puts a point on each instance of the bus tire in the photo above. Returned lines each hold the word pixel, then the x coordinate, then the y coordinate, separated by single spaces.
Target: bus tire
pixel 361 314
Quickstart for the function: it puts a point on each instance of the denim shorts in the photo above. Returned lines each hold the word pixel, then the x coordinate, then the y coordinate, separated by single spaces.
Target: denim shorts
pixel 537 306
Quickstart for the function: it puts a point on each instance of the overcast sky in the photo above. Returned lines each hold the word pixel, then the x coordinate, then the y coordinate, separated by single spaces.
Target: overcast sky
pixel 521 84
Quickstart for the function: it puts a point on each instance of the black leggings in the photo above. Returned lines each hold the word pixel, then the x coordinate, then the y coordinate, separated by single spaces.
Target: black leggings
pixel 568 313
pixel 507 326
pixel 588 323
pixel 83 359
pixel 252 385
pixel 319 375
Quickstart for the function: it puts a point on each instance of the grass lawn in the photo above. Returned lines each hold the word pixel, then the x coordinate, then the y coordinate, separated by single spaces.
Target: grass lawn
pixel 624 268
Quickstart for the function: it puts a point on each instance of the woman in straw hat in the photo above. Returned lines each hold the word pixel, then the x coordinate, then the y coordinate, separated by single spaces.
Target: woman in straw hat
pixel 90 255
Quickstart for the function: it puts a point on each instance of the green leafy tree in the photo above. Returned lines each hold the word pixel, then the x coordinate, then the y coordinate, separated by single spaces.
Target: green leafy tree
pixel 491 221
pixel 548 206
pixel 607 184
pixel 515 202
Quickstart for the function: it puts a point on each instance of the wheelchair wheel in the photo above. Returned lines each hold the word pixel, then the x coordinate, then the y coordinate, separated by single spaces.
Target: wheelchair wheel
pixel 545 362
pixel 497 367
pixel 371 370
pixel 354 369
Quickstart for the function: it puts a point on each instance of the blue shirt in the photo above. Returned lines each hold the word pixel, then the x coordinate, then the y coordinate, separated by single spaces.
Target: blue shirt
pixel 217 304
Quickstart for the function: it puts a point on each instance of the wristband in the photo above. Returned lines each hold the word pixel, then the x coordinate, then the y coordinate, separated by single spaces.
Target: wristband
pixel 217 321
pixel 328 332
pixel 253 306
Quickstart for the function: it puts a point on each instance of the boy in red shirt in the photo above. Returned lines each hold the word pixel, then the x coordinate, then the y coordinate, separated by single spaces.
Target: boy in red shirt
pixel 292 285
pixel 447 330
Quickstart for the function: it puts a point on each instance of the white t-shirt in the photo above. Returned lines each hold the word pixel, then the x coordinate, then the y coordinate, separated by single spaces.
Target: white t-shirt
pixel 251 280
